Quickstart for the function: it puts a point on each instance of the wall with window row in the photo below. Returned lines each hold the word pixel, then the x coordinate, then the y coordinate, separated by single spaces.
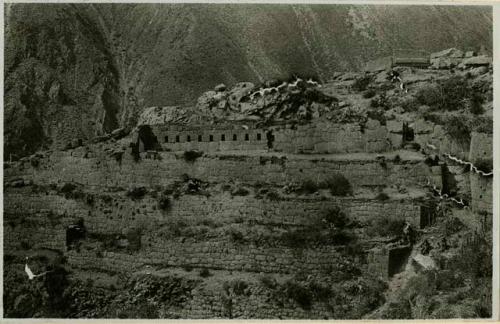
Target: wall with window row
pixel 213 140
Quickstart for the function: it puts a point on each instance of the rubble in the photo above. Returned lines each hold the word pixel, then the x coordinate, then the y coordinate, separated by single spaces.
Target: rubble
pixel 453 57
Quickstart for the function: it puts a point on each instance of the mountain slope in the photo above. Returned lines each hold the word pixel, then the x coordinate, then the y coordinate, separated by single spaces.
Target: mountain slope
pixel 80 70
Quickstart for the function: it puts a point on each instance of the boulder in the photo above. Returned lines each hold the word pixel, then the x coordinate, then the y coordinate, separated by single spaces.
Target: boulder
pixel 220 87
pixel 423 262
pixel 450 52
pixel 477 71
pixel 206 100
pixel 470 54
pixel 343 104
pixel 239 91
pixel 445 62
pixel 119 133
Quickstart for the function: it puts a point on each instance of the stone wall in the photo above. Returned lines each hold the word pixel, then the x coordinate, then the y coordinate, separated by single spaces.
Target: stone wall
pixel 211 139
pixel 116 211
pixel 210 254
pixel 481 147
pixel 326 137
pixel 47 215
pixel 481 193
pixel 105 171
pixel 318 137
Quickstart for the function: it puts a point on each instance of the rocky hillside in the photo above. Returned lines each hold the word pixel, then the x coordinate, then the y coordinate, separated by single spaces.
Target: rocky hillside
pixel 362 203
pixel 83 70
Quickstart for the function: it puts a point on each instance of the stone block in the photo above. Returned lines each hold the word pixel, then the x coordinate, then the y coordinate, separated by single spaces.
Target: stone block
pixel 478 61
pixel 450 52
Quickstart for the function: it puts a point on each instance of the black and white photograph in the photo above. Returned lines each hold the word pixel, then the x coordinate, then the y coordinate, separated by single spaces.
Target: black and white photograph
pixel 287 161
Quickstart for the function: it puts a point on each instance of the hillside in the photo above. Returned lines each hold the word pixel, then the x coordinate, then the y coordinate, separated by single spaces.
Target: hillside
pixel 80 71
pixel 362 197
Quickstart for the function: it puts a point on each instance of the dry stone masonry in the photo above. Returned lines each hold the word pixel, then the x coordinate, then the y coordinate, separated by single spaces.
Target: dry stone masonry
pixel 257 195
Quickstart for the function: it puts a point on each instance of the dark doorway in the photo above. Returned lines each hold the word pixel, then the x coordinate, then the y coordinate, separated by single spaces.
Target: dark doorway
pixel 427 215
pixel 398 258
pixel 74 233
pixel 408 133
pixel 270 139
pixel 147 138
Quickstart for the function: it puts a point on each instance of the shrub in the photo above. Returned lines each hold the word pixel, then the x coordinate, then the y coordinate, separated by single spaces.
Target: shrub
pixel 240 192
pixel 430 161
pixel 380 101
pixel 336 217
pixel 338 185
pixel 433 117
pixel 204 273
pixel 485 165
pixel 482 124
pixel 297 239
pixel 341 237
pixel 136 192
pixel 238 286
pixel 387 226
pixel 192 155
pixel 370 93
pixel 268 281
pixel 361 83
pixel 309 186
pixel 298 293
pixel 235 235
pixel 209 223
pixel 382 196
pixel 35 161
pixel 476 104
pixel 451 94
pixel 458 129
pixel 319 291
pixel 273 196
pixel 25 245
pixel 475 258
pixel 67 188
pixel 430 95
pixel 455 91
pixel 409 104
pixel 377 115
pixel 164 202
